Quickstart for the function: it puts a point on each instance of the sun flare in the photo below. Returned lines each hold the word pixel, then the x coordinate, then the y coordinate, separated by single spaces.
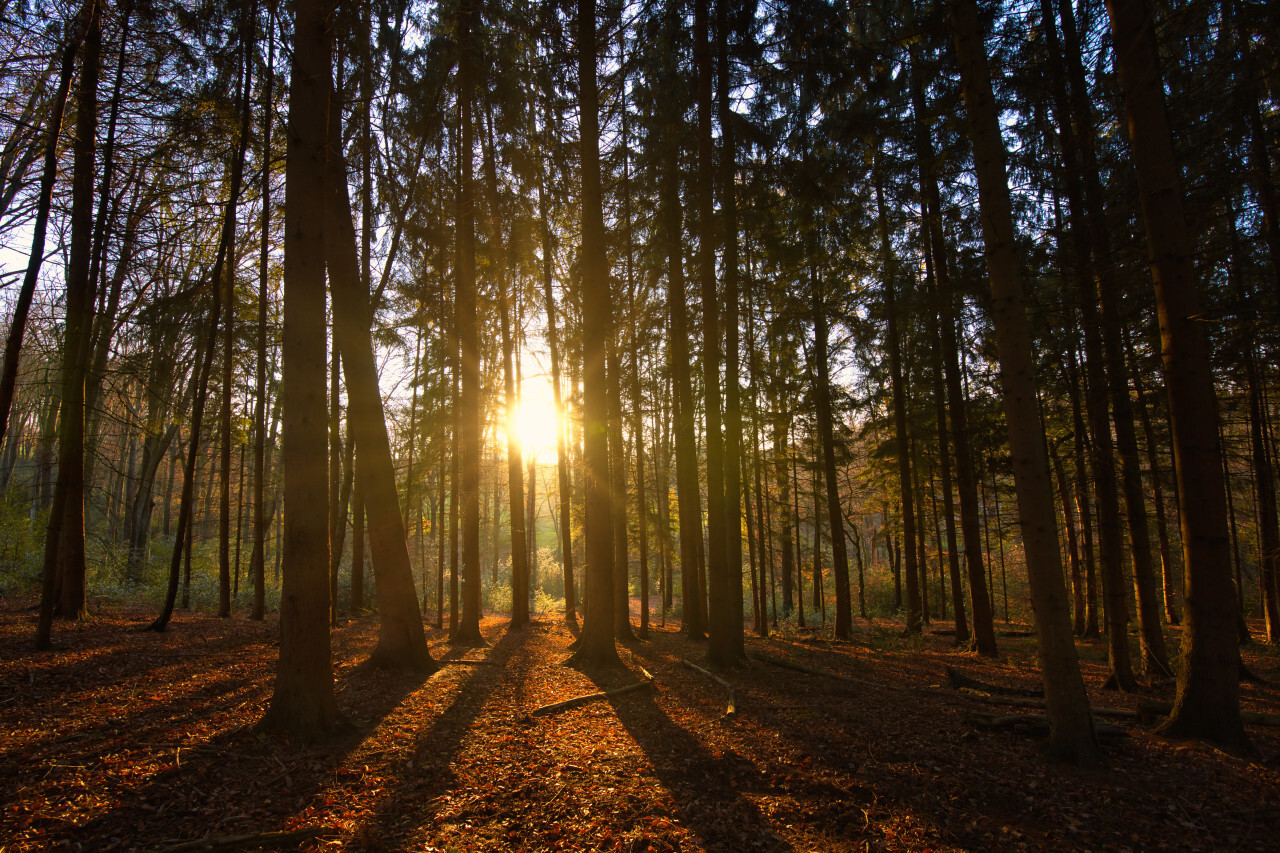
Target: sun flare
pixel 536 418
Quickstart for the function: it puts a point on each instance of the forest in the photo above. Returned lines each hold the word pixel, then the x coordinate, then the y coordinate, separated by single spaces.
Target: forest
pixel 418 416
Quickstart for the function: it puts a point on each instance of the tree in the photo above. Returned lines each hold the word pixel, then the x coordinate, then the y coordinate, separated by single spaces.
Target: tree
pixel 466 325
pixel 1071 735
pixel 401 641
pixel 597 649
pixel 1207 703
pixel 302 701
pixel 56 110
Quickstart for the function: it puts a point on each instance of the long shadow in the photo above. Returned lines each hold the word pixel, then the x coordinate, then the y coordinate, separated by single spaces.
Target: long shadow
pixel 236 783
pixel 708 790
pixel 240 781
pixel 428 772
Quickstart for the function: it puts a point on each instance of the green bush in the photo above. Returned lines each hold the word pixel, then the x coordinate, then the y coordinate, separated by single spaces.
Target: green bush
pixel 21 543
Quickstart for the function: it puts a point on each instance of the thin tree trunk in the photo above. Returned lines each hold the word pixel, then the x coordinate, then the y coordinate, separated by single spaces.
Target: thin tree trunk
pixel 515 454
pixel 257 558
pixel 562 453
pixel 889 273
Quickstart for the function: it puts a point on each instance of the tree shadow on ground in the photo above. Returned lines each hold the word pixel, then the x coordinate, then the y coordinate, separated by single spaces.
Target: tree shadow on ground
pixel 428 773
pixel 710 791
pixel 241 781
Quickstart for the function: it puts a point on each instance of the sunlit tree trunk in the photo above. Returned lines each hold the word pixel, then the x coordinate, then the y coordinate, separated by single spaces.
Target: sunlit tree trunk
pixel 562 452
pixel 515 455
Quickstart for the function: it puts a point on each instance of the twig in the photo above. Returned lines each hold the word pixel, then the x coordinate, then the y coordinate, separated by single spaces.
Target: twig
pixel 554 707
pixel 233 842
pixel 733 702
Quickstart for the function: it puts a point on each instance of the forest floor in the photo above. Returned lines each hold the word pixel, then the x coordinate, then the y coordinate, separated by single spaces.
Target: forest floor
pixel 121 740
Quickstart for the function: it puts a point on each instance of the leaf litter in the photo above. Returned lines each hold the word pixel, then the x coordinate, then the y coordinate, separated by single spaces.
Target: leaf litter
pixel 124 740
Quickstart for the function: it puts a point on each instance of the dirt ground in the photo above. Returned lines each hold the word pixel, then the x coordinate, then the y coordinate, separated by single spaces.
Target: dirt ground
pixel 122 740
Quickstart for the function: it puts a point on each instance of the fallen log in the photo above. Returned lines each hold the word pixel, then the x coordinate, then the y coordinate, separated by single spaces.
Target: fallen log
pixel 556 707
pixel 1149 709
pixel 733 703
pixel 961 681
pixel 237 842
pixel 1030 702
pixel 1033 724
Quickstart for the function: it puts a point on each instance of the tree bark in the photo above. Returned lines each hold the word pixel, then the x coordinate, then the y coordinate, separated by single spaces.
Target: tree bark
pixel 467 326
pixel 597 649
pixel 889 273
pixel 1071 735
pixel 69 551
pixel 401 641
pixel 303 698
pixel 1207 703
pixel 44 200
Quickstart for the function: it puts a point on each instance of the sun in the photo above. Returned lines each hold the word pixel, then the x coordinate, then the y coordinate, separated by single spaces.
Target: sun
pixel 536 418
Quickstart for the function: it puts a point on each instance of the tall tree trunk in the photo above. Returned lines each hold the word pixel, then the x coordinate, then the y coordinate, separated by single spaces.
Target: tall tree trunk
pixel 562 453
pixel 690 501
pixel 467 326
pixel 257 556
pixel 720 609
pixel 618 492
pixel 67 551
pixel 1265 485
pixel 1207 702
pixel 733 506
pixel 303 699
pixel 1167 569
pixel 936 317
pixel 1071 735
pixel 247 28
pixel 515 454
pixel 826 432
pixel 889 273
pixel 44 200
pixel 597 649
pixel 401 641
